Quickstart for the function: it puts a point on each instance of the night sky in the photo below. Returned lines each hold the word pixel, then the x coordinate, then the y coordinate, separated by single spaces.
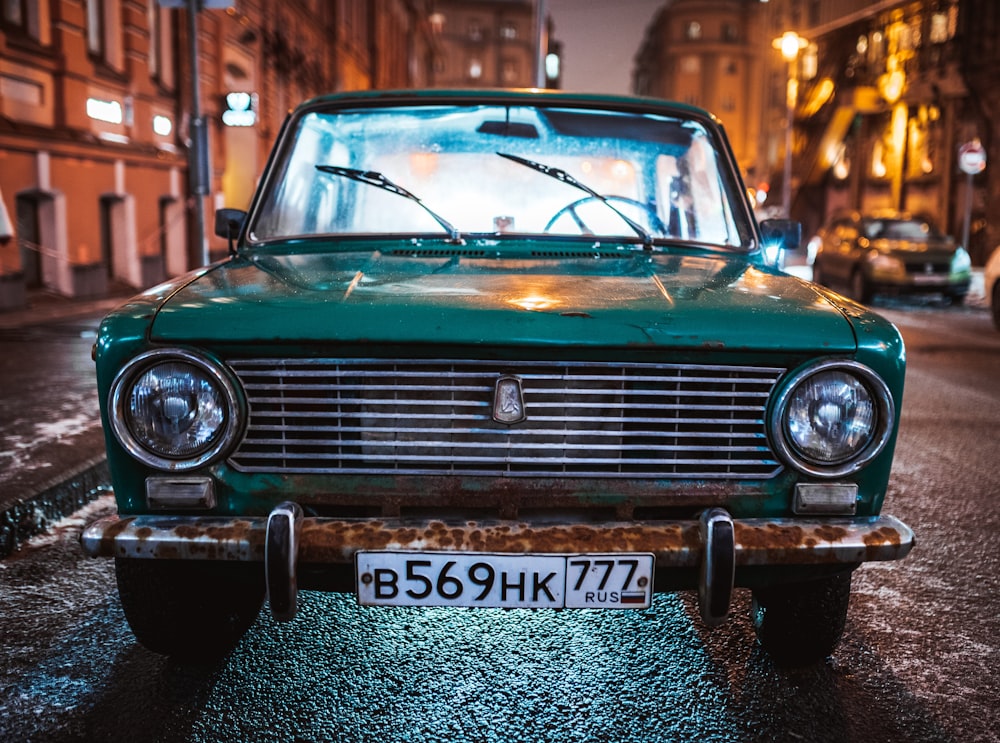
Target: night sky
pixel 600 39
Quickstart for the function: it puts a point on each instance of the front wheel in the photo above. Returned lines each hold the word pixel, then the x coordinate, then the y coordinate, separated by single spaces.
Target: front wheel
pixel 799 624
pixel 190 610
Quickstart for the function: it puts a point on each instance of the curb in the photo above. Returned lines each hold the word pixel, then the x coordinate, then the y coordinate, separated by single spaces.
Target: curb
pixel 34 515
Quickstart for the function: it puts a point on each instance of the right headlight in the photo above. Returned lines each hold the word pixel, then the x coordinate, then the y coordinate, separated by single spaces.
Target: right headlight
pixel 832 418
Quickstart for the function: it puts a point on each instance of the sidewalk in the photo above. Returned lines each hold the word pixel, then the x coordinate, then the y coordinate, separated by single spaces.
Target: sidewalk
pixel 46 307
pixel 54 459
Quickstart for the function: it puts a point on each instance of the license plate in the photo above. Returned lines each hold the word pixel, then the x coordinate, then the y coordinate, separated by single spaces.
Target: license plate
pixel 487 580
pixel 928 279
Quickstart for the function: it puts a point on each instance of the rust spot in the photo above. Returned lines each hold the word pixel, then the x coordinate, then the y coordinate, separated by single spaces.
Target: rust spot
pixel 143 532
pixel 770 536
pixel 885 535
pixel 831 533
pixel 188 531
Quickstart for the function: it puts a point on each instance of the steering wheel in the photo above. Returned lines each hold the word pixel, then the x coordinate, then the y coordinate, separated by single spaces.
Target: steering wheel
pixel 654 220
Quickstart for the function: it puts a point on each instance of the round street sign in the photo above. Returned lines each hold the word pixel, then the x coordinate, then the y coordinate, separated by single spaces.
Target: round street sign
pixel 972 157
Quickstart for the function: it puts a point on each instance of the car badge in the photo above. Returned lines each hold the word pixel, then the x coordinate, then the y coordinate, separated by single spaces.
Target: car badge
pixel 508 400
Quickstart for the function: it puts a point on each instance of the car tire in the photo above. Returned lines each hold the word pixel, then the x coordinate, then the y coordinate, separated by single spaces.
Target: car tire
pixel 800 624
pixel 995 305
pixel 817 274
pixel 860 291
pixel 192 611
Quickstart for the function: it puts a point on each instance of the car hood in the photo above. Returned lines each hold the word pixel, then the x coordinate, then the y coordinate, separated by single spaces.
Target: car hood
pixel 701 301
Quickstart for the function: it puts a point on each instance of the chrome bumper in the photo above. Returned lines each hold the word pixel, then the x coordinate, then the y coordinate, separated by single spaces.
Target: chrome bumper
pixel 674 543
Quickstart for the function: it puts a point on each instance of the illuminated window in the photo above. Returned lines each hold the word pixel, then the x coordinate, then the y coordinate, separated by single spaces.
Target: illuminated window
pixel 943 25
pixel 510 72
pixel 475 69
pixel 162 125
pixel 692 31
pixel 690 65
pixel 552 66
pixel 508 31
pixel 107 111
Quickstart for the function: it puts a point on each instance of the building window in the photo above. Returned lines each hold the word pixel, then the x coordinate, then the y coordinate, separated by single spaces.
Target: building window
pixel 943 25
pixel 508 31
pixel 27 19
pixel 161 50
pixel 15 12
pixel 104 32
pixel 95 27
pixel 474 31
pixel 692 31
pixel 474 69
pixel 690 65
pixel 510 72
pixel 730 32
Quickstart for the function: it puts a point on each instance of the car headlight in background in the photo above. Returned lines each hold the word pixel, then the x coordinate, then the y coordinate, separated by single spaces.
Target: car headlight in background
pixel 174 410
pixel 832 418
pixel 961 262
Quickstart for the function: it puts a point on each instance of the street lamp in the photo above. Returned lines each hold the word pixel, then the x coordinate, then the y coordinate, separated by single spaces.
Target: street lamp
pixel 789 44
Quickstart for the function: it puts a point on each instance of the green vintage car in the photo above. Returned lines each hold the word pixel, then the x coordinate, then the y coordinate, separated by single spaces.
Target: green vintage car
pixel 496 349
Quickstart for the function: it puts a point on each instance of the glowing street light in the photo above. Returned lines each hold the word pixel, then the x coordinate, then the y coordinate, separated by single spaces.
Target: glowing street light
pixel 790 44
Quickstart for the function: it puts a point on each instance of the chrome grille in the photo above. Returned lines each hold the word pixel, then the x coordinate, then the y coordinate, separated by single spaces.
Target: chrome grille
pixel 372 416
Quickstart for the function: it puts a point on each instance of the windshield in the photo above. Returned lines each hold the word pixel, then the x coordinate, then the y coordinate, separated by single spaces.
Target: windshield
pixel 496 170
pixel 900 229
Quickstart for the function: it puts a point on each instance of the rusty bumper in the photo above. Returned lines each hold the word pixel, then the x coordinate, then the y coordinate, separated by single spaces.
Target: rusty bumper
pixel 674 543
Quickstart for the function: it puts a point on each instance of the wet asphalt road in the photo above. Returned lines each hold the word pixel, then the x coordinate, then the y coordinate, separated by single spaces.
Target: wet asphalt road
pixel 918 660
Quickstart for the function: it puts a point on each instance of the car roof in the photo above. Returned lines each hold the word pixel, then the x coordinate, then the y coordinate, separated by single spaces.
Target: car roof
pixel 527 96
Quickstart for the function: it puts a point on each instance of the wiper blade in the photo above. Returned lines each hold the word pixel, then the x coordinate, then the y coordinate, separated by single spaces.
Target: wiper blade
pixel 561 175
pixel 374 178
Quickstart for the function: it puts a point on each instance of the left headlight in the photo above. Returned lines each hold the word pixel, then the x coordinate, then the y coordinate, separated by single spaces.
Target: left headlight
pixel 832 418
pixel 174 410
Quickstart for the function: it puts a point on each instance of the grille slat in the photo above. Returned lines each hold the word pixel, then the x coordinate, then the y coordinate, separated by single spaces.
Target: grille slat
pixel 376 416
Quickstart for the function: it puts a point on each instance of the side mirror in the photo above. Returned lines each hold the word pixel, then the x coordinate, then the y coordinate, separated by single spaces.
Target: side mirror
pixel 783 234
pixel 228 223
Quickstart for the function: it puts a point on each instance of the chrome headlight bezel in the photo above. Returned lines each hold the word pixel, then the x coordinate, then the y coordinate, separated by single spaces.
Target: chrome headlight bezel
pixel 874 442
pixel 222 440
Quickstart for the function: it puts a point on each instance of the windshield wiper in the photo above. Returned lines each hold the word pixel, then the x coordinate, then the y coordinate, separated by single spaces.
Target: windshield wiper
pixel 373 178
pixel 561 175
